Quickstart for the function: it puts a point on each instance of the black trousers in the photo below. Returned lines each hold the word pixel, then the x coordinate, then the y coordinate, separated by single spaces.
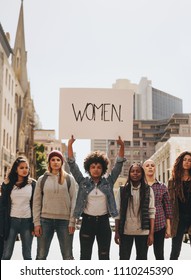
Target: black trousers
pixel 1 246
pixel 95 227
pixel 177 240
pixel 158 245
pixel 126 244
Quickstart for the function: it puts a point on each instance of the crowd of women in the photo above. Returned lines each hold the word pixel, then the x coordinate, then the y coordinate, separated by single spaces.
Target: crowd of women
pixel 145 210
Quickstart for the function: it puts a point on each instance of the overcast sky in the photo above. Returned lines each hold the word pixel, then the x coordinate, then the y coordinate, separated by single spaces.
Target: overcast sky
pixel 91 43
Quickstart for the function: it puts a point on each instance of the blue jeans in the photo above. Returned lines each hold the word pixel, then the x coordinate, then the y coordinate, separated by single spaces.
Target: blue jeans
pixel 49 226
pixel 22 226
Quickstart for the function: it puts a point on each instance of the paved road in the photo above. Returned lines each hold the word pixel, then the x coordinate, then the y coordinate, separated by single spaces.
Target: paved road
pixel 54 253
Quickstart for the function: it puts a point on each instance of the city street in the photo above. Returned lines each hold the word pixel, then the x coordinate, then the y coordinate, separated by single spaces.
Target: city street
pixel 55 254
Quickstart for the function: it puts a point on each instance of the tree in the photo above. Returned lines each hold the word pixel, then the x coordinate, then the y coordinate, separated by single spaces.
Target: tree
pixel 40 155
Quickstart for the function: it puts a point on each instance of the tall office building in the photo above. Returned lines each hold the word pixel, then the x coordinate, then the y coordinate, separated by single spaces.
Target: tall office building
pixel 149 104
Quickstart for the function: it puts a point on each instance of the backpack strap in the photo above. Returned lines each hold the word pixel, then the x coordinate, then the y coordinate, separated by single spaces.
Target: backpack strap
pixel 46 176
pixel 68 181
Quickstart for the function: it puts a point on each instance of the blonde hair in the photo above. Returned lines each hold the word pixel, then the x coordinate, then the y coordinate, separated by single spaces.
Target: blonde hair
pixel 62 174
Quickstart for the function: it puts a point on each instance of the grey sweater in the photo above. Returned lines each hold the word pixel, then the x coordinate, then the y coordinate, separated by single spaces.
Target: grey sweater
pixel 56 201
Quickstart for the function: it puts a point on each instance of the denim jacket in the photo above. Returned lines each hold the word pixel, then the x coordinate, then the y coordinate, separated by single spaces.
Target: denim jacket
pixel 86 185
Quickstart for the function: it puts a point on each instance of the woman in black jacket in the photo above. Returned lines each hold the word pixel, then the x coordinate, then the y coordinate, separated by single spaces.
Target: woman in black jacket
pixel 17 195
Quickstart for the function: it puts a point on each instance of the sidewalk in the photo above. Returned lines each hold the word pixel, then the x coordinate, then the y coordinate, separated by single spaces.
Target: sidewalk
pixel 54 253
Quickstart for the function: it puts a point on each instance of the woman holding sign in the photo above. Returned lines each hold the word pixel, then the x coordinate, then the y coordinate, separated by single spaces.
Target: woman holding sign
pixel 95 200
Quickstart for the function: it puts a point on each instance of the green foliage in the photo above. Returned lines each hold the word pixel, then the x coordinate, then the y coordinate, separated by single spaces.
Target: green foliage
pixel 41 165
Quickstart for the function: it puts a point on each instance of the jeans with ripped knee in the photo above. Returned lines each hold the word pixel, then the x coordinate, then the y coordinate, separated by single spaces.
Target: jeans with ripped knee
pixel 95 227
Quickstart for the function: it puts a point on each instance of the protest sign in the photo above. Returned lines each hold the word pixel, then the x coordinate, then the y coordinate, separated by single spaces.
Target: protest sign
pixel 95 113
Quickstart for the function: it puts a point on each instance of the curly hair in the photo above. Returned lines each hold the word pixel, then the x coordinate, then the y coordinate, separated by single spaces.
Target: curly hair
pixel 177 173
pixel 13 176
pixel 96 157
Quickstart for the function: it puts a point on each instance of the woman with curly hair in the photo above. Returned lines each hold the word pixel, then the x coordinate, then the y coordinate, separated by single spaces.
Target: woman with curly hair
pixel 17 197
pixel 95 200
pixel 179 186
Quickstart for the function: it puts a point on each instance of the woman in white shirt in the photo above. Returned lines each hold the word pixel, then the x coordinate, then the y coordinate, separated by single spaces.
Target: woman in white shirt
pixel 17 196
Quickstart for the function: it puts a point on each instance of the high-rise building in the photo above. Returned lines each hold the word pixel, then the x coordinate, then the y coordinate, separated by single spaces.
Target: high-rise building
pixel 151 103
pixel 149 136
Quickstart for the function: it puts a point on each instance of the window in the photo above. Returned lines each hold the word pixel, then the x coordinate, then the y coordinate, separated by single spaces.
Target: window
pixel 12 87
pixel 136 153
pixel 112 152
pixel 5 107
pixel 10 143
pixel 6 77
pixel 127 143
pixel 136 135
pixel 11 116
pixel 7 141
pixel 3 137
pixel 8 111
pixel 136 143
pixel 9 81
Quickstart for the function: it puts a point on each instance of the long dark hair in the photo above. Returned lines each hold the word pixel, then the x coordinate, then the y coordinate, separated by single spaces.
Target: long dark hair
pixel 177 173
pixel 13 176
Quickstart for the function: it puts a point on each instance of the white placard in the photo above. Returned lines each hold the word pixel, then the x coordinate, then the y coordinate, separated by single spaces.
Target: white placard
pixel 96 113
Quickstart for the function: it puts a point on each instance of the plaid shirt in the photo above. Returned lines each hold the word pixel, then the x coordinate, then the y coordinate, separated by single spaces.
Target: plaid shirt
pixel 162 204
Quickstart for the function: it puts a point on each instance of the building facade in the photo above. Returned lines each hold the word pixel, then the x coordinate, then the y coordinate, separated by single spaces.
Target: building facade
pixel 47 137
pixel 166 154
pixel 149 136
pixel 17 112
pixel 8 114
pixel 151 103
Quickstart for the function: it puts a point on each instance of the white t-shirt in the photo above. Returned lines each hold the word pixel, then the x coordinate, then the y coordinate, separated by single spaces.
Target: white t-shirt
pixel 96 203
pixel 20 202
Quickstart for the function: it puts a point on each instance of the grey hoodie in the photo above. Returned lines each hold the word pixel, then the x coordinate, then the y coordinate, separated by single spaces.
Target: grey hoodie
pixel 56 201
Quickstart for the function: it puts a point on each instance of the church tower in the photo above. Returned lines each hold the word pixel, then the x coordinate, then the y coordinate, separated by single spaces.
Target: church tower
pixel 25 107
pixel 19 58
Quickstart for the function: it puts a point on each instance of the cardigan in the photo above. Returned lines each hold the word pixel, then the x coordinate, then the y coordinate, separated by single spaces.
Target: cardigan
pixel 6 204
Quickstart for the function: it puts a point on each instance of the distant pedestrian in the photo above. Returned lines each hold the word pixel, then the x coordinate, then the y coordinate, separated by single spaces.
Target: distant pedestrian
pixel 17 196
pixel 136 205
pixel 163 215
pixel 53 208
pixel 95 200
pixel 179 186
